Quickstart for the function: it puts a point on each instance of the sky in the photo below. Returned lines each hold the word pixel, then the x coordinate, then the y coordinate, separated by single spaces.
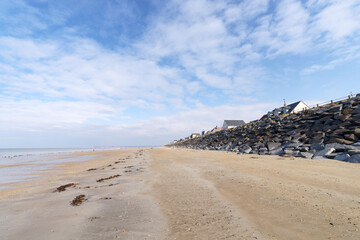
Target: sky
pixel 143 73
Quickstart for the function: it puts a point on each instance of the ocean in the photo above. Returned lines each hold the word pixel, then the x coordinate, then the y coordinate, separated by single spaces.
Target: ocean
pixel 18 164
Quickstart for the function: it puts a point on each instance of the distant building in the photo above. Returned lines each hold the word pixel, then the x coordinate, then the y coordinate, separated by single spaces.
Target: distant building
pixel 296 107
pixel 204 132
pixel 232 123
pixel 291 108
pixel 194 135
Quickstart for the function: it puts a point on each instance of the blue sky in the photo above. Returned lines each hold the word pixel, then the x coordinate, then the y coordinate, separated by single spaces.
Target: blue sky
pixel 99 73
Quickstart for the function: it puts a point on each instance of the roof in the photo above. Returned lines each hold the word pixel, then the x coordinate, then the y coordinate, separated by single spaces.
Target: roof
pixel 234 122
pixel 293 105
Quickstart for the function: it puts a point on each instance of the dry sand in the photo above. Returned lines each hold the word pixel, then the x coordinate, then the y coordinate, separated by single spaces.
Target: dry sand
pixel 164 193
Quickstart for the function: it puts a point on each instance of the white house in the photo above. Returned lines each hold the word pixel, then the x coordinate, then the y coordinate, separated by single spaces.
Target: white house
pixel 194 135
pixel 204 132
pixel 296 107
pixel 232 123
pixel 291 108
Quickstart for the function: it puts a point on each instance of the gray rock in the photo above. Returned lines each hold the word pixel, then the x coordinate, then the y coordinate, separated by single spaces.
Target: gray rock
pixel 304 149
pixel 356 110
pixel 350 137
pixel 355 117
pixel 323 153
pixel 316 141
pixel 335 108
pixel 272 145
pixel 352 147
pixel 342 157
pixel 338 147
pixel 306 154
pixel 291 152
pixel 354 151
pixel 331 155
pixel 294 145
pixel 317 146
pixel 247 149
pixel 319 157
pixel 319 135
pixel 340 140
pixel 277 151
pixel 263 151
pixel 317 127
pixel 287 138
pixel 344 117
pixel 357 132
pixel 354 159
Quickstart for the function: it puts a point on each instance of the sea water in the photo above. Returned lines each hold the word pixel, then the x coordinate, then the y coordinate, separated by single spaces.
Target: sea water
pixel 18 164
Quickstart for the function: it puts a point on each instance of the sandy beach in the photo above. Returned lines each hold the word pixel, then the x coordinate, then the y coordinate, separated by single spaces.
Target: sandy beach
pixel 163 193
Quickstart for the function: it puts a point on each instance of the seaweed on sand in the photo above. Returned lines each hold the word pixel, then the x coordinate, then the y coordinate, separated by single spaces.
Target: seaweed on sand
pixel 103 179
pixel 63 187
pixel 78 200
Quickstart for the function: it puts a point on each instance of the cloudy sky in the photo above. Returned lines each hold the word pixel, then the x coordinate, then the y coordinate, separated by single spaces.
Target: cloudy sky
pixel 118 73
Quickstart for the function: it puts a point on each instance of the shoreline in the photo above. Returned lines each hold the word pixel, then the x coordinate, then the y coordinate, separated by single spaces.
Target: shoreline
pixel 35 209
pixel 59 165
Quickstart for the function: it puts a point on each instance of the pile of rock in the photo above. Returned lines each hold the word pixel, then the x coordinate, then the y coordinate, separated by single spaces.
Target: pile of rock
pixel 331 131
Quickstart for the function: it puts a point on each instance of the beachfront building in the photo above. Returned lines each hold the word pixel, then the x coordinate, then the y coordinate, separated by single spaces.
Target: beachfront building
pixel 297 107
pixel 204 132
pixel 232 123
pixel 194 135
pixel 288 109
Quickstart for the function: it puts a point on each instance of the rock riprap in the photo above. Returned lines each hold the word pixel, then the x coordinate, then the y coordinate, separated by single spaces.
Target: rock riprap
pixel 331 131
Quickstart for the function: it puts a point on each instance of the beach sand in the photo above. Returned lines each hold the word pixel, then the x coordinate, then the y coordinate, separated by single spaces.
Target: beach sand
pixel 163 193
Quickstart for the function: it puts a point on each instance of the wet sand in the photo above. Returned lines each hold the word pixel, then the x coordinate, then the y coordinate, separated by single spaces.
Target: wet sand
pixel 164 193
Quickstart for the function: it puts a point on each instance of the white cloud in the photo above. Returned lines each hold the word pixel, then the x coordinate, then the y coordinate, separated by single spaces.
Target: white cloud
pixel 285 31
pixel 84 70
pixel 14 49
pixel 36 115
pixel 197 119
pixel 339 20
pixel 341 56
pixel 245 11
pixel 201 37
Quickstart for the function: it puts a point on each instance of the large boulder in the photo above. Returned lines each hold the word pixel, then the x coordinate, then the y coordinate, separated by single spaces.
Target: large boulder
pixel 354 158
pixel 306 154
pixel 338 147
pixel 277 151
pixel 273 145
pixel 356 110
pixel 322 153
pixel 342 157
pixel 336 108
pixel 317 146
